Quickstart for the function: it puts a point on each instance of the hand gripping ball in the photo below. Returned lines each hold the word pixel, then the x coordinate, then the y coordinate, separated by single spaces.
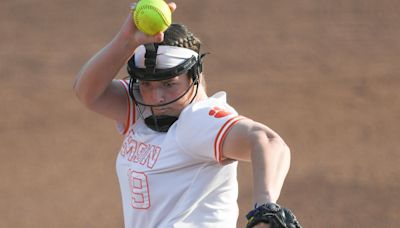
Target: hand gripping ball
pixel 152 16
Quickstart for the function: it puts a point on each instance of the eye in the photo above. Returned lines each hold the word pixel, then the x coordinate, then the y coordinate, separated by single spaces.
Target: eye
pixel 169 84
pixel 144 84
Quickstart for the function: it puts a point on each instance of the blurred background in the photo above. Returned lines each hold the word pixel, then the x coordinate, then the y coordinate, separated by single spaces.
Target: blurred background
pixel 324 74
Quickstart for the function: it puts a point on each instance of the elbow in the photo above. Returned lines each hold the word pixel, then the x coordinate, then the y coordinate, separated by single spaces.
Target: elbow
pixel 83 97
pixel 282 148
pixel 282 151
pixel 270 142
pixel 79 92
pixel 287 155
pixel 285 148
pixel 76 90
pixel 85 101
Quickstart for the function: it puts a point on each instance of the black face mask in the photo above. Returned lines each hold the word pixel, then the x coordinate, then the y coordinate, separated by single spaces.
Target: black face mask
pixel 164 122
pixel 160 123
pixel 192 66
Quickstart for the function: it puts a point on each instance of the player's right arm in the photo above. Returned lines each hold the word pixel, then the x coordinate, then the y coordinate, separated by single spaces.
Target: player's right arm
pixel 94 84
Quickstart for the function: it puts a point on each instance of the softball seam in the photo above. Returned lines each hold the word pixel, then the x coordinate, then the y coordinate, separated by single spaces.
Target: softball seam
pixel 147 7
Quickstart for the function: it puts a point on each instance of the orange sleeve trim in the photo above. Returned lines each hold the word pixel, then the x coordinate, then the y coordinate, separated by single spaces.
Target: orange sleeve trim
pixel 132 104
pixel 219 140
pixel 128 121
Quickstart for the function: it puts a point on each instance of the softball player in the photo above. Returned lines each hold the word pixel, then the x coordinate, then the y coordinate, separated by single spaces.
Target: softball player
pixel 178 160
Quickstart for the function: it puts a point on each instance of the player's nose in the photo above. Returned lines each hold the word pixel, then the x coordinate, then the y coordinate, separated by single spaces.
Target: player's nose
pixel 158 96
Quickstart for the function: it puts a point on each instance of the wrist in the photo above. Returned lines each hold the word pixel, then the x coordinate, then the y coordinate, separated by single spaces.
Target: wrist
pixel 126 34
pixel 265 197
pixel 127 38
pixel 125 42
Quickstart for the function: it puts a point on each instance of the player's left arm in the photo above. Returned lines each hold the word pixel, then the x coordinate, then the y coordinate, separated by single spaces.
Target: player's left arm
pixel 265 149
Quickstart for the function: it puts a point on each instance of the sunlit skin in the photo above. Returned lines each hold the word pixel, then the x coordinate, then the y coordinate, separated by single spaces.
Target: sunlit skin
pixel 161 92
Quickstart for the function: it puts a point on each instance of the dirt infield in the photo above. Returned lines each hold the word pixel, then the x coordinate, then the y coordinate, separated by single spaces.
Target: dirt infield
pixel 324 74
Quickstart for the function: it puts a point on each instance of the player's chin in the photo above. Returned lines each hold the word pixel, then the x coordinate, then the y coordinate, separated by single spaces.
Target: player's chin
pixel 163 112
pixel 262 225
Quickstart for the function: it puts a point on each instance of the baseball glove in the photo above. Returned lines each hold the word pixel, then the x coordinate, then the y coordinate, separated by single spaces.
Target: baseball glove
pixel 272 214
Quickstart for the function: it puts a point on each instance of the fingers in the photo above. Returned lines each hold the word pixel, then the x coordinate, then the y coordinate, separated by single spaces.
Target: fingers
pixel 142 37
pixel 172 6
pixel 159 37
pixel 133 5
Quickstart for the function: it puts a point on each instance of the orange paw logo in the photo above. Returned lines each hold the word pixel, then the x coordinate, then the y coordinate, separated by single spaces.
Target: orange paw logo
pixel 218 112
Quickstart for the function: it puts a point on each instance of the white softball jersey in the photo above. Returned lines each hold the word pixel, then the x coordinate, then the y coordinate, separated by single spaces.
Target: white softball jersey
pixel 178 178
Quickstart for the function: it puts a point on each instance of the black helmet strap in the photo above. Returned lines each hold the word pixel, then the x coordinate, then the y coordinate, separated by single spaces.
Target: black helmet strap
pixel 150 60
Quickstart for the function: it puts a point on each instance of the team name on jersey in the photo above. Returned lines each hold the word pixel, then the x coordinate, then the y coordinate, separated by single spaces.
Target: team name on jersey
pixel 140 152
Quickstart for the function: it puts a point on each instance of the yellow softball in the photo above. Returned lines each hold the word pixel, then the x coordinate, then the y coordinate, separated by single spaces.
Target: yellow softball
pixel 152 16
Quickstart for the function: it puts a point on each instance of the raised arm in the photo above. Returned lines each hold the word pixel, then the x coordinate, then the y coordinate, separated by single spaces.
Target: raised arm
pixel 268 153
pixel 94 84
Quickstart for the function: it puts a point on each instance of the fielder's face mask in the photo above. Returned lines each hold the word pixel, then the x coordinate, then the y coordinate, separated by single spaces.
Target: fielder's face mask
pixel 153 62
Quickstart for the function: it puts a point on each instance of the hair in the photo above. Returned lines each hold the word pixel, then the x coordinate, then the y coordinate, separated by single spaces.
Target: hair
pixel 178 35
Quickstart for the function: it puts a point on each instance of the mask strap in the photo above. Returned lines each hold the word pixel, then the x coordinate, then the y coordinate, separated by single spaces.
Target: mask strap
pixel 150 58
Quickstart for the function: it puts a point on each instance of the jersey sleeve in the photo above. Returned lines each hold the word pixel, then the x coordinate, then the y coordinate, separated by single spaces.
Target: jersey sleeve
pixel 131 110
pixel 203 126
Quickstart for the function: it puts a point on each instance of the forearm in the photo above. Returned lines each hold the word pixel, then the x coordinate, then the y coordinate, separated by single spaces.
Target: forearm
pixel 270 158
pixel 102 68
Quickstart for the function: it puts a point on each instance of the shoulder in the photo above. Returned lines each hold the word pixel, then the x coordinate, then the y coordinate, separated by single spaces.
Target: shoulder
pixel 202 126
pixel 215 105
